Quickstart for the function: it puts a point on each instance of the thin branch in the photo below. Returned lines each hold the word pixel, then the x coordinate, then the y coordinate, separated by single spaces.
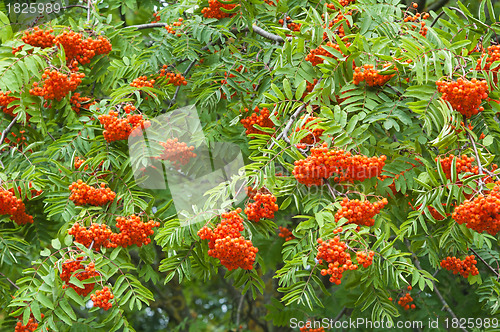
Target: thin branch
pixel 479 165
pixel 436 19
pixel 148 26
pixel 89 6
pixel 485 263
pixel 238 313
pixel 7 130
pixel 266 34
pixel 10 281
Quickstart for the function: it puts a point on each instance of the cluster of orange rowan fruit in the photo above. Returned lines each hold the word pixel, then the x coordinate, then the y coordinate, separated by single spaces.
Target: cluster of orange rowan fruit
pixel 13 206
pixel 464 267
pixel 118 128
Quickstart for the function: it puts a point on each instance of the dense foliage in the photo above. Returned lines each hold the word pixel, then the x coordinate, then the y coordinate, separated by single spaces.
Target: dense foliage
pixel 368 132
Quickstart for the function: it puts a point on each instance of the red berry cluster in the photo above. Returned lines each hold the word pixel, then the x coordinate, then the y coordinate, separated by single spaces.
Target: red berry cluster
pixel 464 96
pixel 482 213
pixel 96 235
pixel 463 165
pixel 31 326
pixel 313 56
pixel 78 102
pixel 170 28
pixel 464 267
pixel 82 193
pixel 315 134
pixel 365 259
pixel 56 85
pixel 324 163
pixel 406 300
pixel 142 81
pixel 310 87
pixel 102 297
pixel 17 49
pixel 258 117
pixel 341 2
pixel 340 29
pixel 417 18
pixel 176 152
pixel 70 266
pixel 359 213
pixel 39 38
pixel 213 9
pixel 333 253
pixel 78 162
pixel 116 129
pixel 492 55
pixel 156 18
pixel 306 328
pixel 13 206
pixel 227 244
pixel 5 100
pixel 371 76
pixel 171 78
pixel 81 49
pixel 290 25
pixel 263 207
pixel 133 231
pixel 286 234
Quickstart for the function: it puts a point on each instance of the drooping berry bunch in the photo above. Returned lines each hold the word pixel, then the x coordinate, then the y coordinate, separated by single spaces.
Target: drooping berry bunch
pixel 77 47
pixel 96 236
pixel 5 100
pixel 323 163
pixel 333 254
pixel 172 78
pixel 102 298
pixel 31 326
pixel 227 244
pixel 133 231
pixel 78 102
pixel 371 76
pixel 82 193
pixel 464 96
pixel 315 134
pixel 358 212
pixel 290 25
pixel 314 55
pixel 263 207
pixel 406 300
pixel 70 268
pixel 156 18
pixel 286 234
pixel 214 9
pixel 258 117
pixel 78 162
pixel 13 206
pixel 417 18
pixel 39 38
pixel 464 267
pixel 178 153
pixel 492 55
pixel 142 81
pixel 481 214
pixel 170 28
pixel 365 259
pixel 116 129
pixel 340 31
pixel 56 85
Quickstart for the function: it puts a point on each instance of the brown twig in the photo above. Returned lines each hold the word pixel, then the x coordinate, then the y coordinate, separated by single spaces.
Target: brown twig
pixel 485 263
pixel 7 130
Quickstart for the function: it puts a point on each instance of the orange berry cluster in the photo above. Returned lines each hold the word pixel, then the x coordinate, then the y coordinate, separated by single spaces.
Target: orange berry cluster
pixel 405 300
pixel 464 96
pixel 340 31
pixel 323 163
pixel 56 85
pixel 371 76
pixel 333 253
pixel 359 213
pixel 82 193
pixel 270 2
pixel 463 165
pixel 31 326
pixel 78 162
pixel 102 297
pixel 418 17
pixel 315 134
pixel 365 259
pixel 133 231
pixel 78 102
pixel 310 329
pixel 263 207
pixel 156 18
pixel 292 26
pixel 13 206
pixel 313 56
pixel 70 266
pixel 142 81
pixel 96 235
pixel 464 267
pixel 213 9
pixel 39 38
pixel 227 244
pixel 341 2
pixel 482 213
pixel 76 47
pixel 310 87
pixel 170 28
pixel 176 152
pixel 171 78
pixel 286 234
pixel 17 49
pixel 258 117
pixel 117 129
pixel 492 55
pixel 5 100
